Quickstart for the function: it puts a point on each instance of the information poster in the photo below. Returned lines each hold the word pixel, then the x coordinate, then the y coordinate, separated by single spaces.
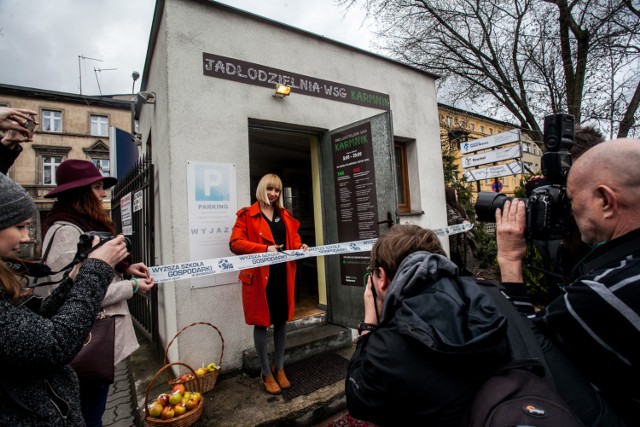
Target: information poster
pixel 125 215
pixel 212 207
pixel 356 199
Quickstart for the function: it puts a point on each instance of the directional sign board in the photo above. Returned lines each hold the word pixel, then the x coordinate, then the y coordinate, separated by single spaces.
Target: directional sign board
pixel 493 156
pixel 502 138
pixel 512 168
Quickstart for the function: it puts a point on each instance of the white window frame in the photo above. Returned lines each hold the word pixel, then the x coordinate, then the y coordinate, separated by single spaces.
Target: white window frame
pixel 51 121
pixel 99 125
pixel 100 164
pixel 52 164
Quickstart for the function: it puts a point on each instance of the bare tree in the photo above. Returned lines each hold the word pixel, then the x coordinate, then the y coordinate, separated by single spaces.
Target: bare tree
pixel 530 57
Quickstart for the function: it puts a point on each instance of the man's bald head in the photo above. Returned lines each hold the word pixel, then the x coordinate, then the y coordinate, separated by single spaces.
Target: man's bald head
pixel 616 161
pixel 604 186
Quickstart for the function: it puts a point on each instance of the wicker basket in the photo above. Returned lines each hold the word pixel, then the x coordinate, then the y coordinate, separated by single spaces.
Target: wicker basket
pixel 184 420
pixel 208 380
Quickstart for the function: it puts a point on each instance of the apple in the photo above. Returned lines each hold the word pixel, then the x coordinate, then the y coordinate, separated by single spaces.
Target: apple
pixel 163 399
pixel 155 409
pixel 178 387
pixel 186 396
pixel 196 396
pixel 175 398
pixel 200 372
pixel 191 404
pixel 167 412
pixel 180 409
pixel 212 366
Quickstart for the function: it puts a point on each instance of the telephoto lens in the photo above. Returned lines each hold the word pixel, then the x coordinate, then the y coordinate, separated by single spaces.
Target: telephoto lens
pixel 487 204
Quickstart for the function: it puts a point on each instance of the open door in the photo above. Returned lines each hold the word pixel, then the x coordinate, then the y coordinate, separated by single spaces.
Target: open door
pixel 359 202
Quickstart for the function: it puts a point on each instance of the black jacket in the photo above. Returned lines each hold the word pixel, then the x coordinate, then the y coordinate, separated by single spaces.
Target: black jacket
pixel 596 323
pixel 37 388
pixel 440 337
pixel 8 156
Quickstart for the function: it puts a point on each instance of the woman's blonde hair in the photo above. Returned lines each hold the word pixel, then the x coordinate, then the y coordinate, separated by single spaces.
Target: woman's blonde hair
pixel 268 181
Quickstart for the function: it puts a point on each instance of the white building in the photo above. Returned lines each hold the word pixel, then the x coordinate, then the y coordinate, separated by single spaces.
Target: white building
pixel 356 143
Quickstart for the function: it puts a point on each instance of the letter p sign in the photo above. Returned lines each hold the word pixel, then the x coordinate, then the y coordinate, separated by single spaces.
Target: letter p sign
pixel 212 178
pixel 212 182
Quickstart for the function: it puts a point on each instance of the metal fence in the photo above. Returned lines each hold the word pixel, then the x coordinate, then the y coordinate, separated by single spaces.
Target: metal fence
pixel 138 187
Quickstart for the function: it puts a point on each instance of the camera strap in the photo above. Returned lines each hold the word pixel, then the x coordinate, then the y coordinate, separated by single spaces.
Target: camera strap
pixel 40 270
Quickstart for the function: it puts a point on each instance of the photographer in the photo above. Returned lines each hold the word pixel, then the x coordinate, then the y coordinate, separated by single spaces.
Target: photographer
pixel 78 209
pixel 429 338
pixel 596 323
pixel 37 388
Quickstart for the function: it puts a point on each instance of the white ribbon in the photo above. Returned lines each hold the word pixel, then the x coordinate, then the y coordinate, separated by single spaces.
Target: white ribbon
pixel 187 270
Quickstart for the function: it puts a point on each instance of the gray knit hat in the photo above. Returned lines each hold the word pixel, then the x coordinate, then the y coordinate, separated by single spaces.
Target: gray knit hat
pixel 15 203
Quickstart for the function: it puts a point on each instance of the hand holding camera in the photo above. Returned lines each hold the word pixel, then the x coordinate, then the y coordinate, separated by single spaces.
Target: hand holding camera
pixel 548 210
pixel 19 124
pixel 92 241
pixel 111 251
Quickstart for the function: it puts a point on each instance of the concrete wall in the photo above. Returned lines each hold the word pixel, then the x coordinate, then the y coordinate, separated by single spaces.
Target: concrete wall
pixel 197 117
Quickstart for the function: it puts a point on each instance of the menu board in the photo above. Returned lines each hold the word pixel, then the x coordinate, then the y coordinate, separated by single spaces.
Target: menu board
pixel 356 198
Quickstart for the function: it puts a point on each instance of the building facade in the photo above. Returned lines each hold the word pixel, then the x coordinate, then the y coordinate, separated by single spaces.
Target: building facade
pixel 71 127
pixel 356 143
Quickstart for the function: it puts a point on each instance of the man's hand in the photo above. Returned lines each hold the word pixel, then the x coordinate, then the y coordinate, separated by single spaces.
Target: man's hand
pixel 512 246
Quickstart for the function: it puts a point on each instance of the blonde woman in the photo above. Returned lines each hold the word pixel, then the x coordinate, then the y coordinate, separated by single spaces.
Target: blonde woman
pixel 268 291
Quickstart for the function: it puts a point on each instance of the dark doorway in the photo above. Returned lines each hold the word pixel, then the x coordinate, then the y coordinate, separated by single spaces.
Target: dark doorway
pixel 287 153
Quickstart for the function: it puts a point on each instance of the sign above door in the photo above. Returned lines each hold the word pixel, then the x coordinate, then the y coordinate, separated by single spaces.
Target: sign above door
pixel 260 75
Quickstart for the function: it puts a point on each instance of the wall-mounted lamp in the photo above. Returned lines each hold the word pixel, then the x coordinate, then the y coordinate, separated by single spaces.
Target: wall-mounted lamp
pixel 282 91
pixel 147 97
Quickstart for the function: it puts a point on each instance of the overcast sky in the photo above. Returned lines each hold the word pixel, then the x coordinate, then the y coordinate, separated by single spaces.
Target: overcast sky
pixel 41 40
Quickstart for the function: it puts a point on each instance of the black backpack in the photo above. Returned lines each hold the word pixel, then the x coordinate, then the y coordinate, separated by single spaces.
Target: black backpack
pixel 522 392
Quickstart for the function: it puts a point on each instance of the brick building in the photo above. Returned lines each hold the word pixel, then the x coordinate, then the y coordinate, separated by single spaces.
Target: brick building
pixel 71 127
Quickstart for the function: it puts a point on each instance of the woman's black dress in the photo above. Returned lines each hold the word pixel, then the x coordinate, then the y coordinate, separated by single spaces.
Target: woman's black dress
pixel 277 284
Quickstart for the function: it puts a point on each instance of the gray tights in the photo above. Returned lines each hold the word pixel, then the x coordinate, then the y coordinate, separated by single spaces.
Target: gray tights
pixel 279 341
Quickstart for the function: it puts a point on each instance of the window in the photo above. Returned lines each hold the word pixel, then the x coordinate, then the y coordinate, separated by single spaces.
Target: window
pixel 449 121
pixel 472 126
pixel 49 158
pixel 482 129
pixel 490 131
pixel 51 121
pixel 402 177
pixel 49 166
pixel 99 125
pixel 102 165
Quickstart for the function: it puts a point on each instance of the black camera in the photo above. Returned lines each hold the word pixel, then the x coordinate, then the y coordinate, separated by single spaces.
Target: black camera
pixel 85 242
pixel 547 205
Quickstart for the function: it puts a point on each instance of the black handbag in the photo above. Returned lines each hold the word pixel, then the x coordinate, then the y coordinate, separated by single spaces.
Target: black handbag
pixel 95 361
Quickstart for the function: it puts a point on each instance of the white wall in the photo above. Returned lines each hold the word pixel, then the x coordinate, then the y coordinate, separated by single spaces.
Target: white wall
pixel 197 117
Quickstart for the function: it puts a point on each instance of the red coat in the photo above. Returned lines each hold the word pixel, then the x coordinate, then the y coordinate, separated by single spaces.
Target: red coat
pixel 251 234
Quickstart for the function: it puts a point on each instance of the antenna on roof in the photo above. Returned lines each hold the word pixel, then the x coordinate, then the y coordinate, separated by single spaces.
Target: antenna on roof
pixel 95 70
pixel 80 68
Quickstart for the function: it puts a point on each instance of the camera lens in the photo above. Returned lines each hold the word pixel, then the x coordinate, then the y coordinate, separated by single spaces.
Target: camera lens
pixel 487 204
